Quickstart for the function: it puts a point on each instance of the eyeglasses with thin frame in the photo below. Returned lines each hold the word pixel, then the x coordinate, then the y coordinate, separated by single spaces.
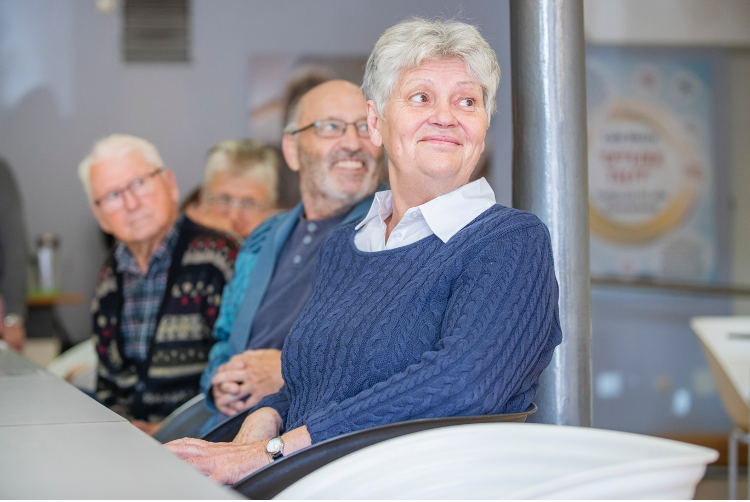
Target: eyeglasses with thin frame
pixel 223 203
pixel 140 187
pixel 336 128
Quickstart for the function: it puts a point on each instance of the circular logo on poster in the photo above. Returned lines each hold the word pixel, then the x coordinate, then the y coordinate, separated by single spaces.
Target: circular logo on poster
pixel 644 172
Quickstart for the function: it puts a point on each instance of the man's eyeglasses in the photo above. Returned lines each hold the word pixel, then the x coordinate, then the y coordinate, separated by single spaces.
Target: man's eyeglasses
pixel 223 203
pixel 140 187
pixel 336 128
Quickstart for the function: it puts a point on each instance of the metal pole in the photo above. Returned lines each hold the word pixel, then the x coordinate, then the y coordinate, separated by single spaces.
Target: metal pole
pixel 550 179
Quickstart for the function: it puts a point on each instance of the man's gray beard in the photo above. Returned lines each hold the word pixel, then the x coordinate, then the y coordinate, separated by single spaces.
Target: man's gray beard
pixel 322 187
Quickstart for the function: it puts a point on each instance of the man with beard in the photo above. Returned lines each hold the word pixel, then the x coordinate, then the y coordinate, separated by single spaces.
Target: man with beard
pixel 327 141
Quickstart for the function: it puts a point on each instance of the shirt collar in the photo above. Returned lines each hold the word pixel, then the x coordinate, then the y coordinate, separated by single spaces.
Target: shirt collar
pixel 447 214
pixel 161 256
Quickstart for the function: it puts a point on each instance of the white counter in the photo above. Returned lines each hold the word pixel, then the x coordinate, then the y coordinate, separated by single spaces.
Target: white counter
pixel 56 442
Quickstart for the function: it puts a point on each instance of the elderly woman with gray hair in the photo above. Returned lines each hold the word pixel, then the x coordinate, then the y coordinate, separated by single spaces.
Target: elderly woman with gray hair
pixel 440 302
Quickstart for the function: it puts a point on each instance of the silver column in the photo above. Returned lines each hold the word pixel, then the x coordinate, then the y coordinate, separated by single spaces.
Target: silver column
pixel 550 179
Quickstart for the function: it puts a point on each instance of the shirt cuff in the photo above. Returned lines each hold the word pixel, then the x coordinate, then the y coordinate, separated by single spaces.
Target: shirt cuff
pixel 327 423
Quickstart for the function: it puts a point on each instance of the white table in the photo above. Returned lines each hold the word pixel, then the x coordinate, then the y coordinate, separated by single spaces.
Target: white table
pixel 41 398
pixel 726 344
pixel 57 443
pixel 14 364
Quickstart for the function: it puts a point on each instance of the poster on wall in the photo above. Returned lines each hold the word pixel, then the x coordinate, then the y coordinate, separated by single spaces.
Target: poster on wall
pixel 651 165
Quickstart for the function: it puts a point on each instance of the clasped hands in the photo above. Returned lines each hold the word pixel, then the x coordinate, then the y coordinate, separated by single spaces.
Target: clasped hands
pixel 252 374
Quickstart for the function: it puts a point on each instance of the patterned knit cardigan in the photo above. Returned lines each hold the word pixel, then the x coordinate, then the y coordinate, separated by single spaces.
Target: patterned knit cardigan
pixel 201 265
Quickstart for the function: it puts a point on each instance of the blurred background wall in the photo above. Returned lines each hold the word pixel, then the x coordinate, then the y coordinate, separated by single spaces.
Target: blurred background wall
pixel 650 374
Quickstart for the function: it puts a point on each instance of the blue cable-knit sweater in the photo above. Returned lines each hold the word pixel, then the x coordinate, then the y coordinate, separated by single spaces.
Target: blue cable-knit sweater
pixel 430 329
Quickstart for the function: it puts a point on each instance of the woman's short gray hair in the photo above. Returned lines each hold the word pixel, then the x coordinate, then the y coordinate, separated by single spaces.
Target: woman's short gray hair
pixel 116 146
pixel 245 157
pixel 410 42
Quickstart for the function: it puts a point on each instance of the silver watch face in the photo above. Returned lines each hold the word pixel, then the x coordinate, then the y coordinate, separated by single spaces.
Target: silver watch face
pixel 273 445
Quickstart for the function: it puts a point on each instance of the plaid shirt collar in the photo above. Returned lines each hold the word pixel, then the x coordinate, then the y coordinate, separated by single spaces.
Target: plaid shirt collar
pixel 160 259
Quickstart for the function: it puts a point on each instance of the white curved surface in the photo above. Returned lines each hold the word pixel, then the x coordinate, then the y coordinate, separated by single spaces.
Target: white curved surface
pixel 727 342
pixel 77 365
pixel 512 461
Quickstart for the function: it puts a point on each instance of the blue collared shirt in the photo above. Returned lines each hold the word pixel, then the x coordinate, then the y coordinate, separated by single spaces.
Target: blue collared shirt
pixel 292 283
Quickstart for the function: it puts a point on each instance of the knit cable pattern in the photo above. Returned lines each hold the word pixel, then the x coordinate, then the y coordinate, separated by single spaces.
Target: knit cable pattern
pixel 431 329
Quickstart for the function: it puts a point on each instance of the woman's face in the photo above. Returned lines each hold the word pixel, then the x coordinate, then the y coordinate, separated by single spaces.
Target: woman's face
pixel 434 123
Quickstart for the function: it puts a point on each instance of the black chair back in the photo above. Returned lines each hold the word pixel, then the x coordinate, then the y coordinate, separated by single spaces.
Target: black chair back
pixel 185 421
pixel 226 431
pixel 271 480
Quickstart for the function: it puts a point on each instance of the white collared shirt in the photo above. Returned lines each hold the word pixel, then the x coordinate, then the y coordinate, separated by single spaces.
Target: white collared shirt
pixel 443 216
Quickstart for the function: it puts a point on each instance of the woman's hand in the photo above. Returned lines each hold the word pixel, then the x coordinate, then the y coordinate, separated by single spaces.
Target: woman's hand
pixel 225 463
pixel 229 463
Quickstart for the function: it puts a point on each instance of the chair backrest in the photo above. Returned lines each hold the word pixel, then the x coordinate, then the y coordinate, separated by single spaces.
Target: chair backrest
pixel 272 479
pixel 185 421
pixel 226 431
pixel 726 344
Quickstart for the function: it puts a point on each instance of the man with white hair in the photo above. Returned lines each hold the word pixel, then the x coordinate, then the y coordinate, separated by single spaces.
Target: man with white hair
pixel 158 294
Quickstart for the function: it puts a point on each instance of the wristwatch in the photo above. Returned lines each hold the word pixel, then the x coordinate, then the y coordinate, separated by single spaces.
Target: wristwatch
pixel 275 448
pixel 11 320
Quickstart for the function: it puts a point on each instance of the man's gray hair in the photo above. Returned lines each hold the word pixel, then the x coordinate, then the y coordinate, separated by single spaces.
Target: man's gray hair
pixel 116 146
pixel 245 157
pixel 407 44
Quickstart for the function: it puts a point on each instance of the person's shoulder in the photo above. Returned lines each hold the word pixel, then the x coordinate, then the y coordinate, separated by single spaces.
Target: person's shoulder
pixel 109 265
pixel 262 232
pixel 211 237
pixel 209 247
pixel 206 240
pixel 503 234
pixel 105 272
pixel 503 220
pixel 501 228
pixel 106 280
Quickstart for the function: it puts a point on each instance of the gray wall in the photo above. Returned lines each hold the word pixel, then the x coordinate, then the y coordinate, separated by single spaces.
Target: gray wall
pixel 63 85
